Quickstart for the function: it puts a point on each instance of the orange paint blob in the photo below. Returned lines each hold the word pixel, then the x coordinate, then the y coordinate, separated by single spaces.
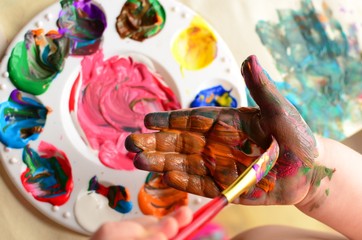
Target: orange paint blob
pixel 157 199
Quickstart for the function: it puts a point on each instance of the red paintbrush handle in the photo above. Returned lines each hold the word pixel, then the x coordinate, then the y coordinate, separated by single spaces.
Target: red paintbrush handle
pixel 202 216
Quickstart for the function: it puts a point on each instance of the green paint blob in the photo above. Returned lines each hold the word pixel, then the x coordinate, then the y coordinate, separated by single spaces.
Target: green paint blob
pixel 37 60
pixel 305 170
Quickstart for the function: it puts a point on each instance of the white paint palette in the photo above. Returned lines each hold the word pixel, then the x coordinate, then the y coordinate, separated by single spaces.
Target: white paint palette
pixel 85 210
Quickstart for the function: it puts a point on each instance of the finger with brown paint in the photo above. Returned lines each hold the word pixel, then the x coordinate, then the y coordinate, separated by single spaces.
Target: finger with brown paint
pixel 165 162
pixel 170 141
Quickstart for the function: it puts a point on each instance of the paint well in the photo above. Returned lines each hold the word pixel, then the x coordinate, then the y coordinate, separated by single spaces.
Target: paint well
pixel 118 196
pixel 91 210
pixel 83 22
pixel 115 95
pixel 195 47
pixel 158 199
pixel 140 19
pixel 36 61
pixel 22 119
pixel 214 96
pixel 48 174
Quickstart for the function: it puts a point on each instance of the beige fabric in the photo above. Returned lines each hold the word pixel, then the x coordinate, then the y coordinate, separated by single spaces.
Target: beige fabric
pixel 19 220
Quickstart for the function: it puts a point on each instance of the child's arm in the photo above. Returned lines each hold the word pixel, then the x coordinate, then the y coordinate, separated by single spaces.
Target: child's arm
pixel 337 202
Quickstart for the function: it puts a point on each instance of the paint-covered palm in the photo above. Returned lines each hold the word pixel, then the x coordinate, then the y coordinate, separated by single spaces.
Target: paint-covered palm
pixel 203 150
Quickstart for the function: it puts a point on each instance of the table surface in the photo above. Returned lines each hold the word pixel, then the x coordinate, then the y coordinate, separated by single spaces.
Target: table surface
pixel 20 220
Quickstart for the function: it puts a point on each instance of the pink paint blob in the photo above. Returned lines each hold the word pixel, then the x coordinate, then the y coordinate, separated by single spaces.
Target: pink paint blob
pixel 114 96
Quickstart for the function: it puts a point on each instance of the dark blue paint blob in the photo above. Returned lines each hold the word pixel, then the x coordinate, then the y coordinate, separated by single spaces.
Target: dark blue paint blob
pixel 215 96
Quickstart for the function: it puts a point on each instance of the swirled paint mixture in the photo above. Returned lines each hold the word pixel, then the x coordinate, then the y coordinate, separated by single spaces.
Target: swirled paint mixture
pixel 158 199
pixel 48 177
pixel 321 65
pixel 83 22
pixel 37 60
pixel 214 96
pixel 118 196
pixel 196 46
pixel 22 119
pixel 140 19
pixel 115 95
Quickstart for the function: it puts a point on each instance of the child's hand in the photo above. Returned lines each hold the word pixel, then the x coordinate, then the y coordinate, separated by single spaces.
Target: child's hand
pixel 203 150
pixel 146 227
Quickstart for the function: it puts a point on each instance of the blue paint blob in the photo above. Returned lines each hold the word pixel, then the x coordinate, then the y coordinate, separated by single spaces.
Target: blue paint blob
pixel 215 96
pixel 21 120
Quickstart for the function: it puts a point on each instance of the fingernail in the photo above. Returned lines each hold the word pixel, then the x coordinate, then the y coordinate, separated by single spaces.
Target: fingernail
pixel 157 120
pixel 130 145
pixel 139 162
pixel 251 70
pixel 245 70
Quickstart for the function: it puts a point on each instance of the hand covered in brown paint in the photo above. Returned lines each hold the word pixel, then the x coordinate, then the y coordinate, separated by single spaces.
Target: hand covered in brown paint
pixel 203 150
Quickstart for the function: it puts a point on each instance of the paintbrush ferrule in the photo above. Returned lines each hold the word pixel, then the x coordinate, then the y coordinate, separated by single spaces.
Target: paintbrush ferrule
pixel 241 185
pixel 254 173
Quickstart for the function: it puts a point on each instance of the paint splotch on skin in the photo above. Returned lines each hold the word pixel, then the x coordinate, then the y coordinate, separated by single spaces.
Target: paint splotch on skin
pixel 320 64
pixel 36 61
pixel 214 96
pixel 48 175
pixel 140 19
pixel 115 95
pixel 118 196
pixel 321 172
pixel 196 46
pixel 21 120
pixel 83 22
pixel 158 199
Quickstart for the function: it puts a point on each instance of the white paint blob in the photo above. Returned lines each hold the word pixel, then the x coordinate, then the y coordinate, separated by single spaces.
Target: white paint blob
pixel 91 211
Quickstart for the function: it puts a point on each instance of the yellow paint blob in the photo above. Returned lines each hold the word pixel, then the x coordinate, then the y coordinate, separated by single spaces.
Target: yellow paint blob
pixel 196 46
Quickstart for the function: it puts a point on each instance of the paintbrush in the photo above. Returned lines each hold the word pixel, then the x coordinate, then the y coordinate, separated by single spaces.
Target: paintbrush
pixel 252 175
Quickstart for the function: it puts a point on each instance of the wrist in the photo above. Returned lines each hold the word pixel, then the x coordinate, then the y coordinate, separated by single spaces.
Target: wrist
pixel 319 181
pixel 335 200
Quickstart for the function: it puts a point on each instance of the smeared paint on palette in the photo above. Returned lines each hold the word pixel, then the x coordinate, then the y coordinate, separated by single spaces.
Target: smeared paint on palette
pixel 36 61
pixel 48 175
pixel 83 23
pixel 79 85
pixel 111 109
pixel 196 46
pixel 140 20
pixel 118 196
pixel 157 199
pixel 22 119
